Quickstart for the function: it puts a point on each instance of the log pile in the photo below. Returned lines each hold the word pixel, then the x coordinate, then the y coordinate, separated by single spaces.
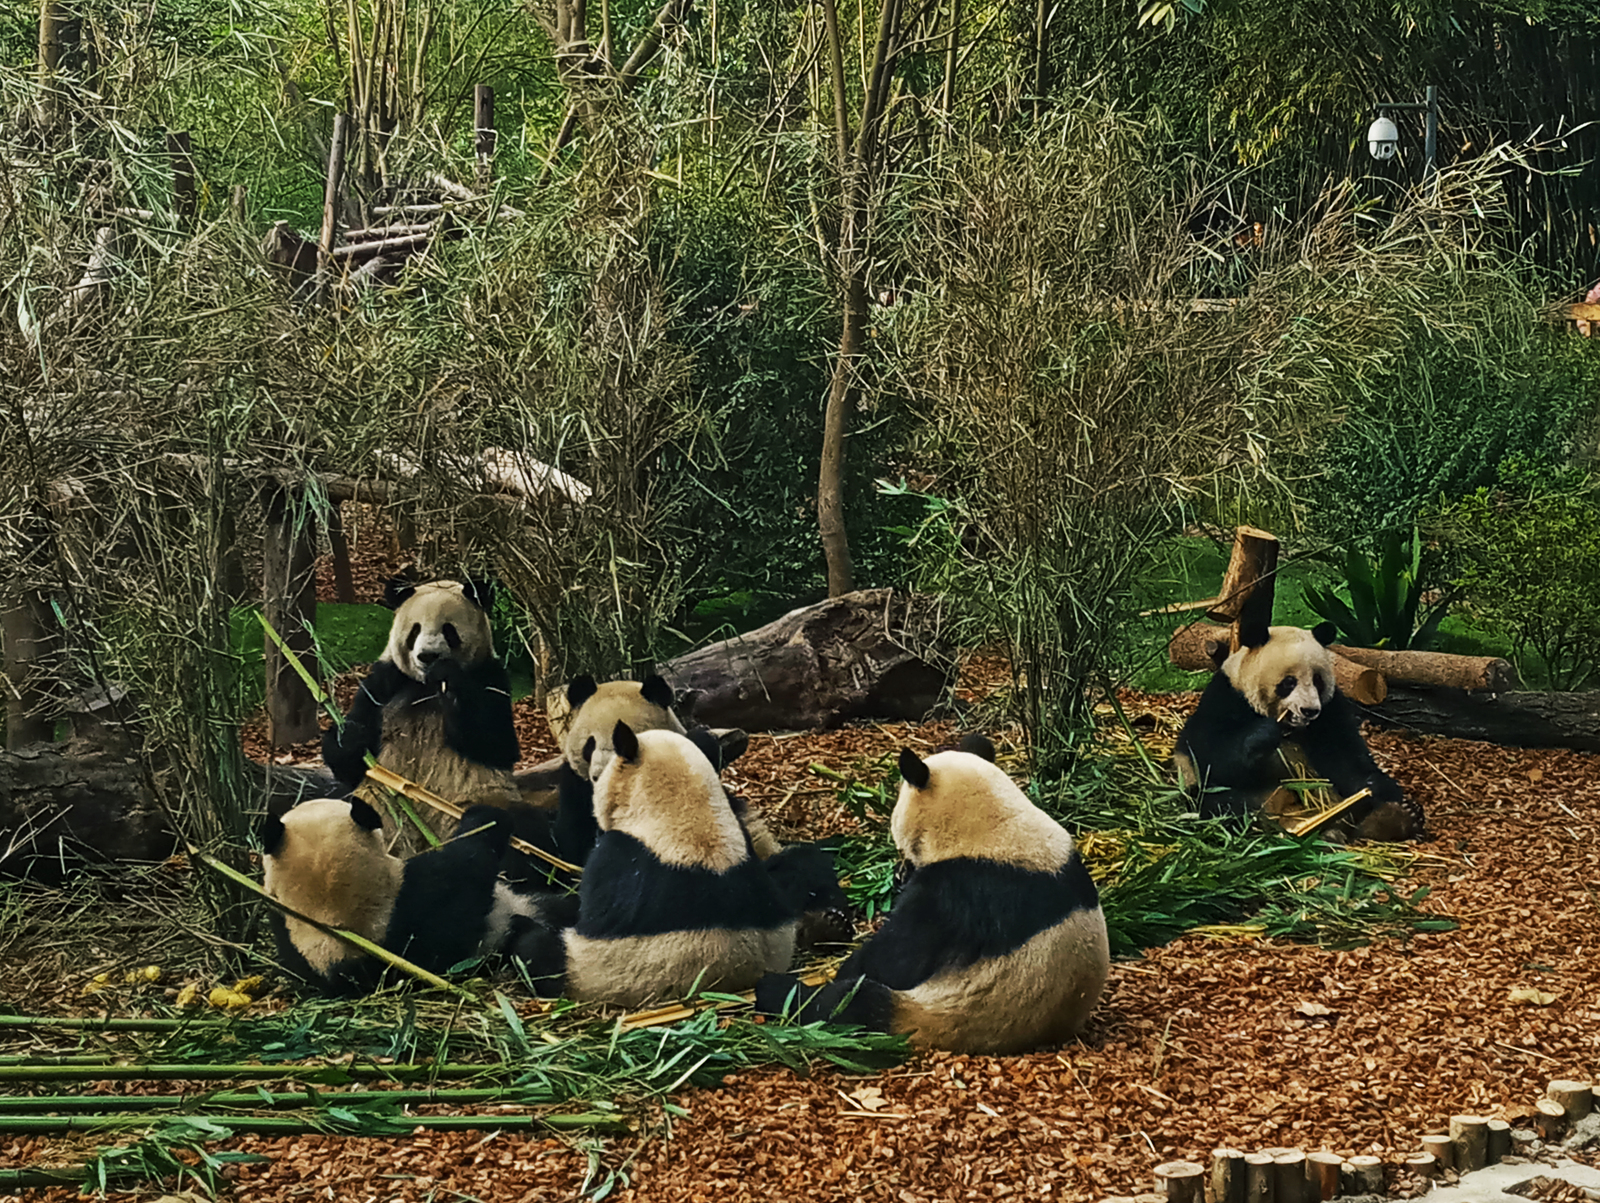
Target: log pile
pixel 1284 1175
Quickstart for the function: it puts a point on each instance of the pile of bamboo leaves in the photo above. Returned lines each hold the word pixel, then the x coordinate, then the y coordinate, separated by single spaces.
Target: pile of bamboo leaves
pixel 393 1063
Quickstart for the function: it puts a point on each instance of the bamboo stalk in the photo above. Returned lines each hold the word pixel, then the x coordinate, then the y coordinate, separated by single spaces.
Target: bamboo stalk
pixel 97 1024
pixel 407 788
pixel 253 1100
pixel 207 1073
pixel 1307 823
pixel 279 1125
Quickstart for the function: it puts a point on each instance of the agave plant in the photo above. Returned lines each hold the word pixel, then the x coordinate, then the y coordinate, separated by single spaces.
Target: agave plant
pixel 1385 597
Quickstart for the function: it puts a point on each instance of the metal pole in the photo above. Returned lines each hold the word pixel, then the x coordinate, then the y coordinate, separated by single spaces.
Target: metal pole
pixel 1431 148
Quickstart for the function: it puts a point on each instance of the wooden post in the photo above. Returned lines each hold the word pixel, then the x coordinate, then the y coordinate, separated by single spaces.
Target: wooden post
pixel 1362 1175
pixel 1550 1119
pixel 1183 1181
pixel 26 628
pixel 289 596
pixel 1423 1165
pixel 1322 1170
pixel 1247 586
pixel 240 203
pixel 483 131
pixel 185 201
pixel 1258 1178
pixel 1227 1176
pixel 1289 1175
pixel 330 195
pixel 1499 1141
pixel 1576 1098
pixel 1470 1135
pixel 1442 1149
pixel 344 587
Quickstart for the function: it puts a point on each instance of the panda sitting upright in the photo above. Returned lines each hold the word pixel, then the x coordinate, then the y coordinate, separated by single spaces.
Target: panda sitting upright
pixel 436 707
pixel 1273 713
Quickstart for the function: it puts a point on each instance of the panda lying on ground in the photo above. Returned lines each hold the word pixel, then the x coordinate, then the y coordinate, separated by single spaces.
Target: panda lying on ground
pixel 1271 713
pixel 436 707
pixel 326 859
pixel 996 944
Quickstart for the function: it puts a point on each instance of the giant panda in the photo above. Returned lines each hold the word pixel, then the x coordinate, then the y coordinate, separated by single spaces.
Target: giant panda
pixel 672 896
pixel 435 708
pixel 996 944
pixel 326 859
pixel 1272 712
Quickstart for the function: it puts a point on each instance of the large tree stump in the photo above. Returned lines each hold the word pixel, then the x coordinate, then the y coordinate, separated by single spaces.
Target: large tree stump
pixel 27 630
pixel 870 654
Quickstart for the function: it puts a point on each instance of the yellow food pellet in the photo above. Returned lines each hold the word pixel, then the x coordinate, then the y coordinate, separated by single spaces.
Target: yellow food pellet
pixel 253 986
pixel 188 996
pixel 227 1000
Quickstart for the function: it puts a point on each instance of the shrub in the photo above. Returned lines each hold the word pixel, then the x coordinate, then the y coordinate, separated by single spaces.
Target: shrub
pixel 1526 554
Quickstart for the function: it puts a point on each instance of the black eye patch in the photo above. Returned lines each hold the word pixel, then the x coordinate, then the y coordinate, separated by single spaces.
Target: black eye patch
pixel 1322 684
pixel 451 637
pixel 411 639
pixel 1287 686
pixel 588 748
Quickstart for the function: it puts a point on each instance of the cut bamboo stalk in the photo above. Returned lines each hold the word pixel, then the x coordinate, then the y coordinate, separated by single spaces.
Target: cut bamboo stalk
pixel 1499 1140
pixel 1424 1165
pixel 1362 1175
pixel 1440 1147
pixel 1227 1176
pixel 1549 1119
pixel 1183 1181
pixel 418 793
pixel 1576 1098
pixel 1289 1176
pixel 1322 1173
pixel 1309 823
pixel 1258 1181
pixel 1470 1135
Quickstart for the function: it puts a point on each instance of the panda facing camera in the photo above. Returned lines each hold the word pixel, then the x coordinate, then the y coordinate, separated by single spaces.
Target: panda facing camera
pixel 1272 713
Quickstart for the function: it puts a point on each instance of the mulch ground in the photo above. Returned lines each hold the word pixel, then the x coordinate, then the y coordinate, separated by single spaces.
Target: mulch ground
pixel 1195 1045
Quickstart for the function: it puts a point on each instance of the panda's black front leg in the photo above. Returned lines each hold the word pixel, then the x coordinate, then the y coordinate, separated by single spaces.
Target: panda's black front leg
pixel 575 828
pixel 476 703
pixel 345 748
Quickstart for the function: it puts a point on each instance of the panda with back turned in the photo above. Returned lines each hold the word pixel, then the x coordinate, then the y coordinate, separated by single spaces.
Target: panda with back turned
pixel 436 707
pixel 1271 713
pixel 996 944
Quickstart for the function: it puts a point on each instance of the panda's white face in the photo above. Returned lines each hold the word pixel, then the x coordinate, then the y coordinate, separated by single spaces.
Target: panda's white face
pixel 438 621
pixel 1288 679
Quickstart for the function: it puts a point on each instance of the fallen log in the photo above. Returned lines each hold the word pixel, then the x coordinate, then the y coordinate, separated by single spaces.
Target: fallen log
pixel 1201 646
pixel 1436 668
pixel 61 804
pixel 1520 720
pixel 869 654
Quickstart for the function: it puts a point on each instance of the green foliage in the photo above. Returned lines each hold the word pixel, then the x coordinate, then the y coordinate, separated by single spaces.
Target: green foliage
pixel 155 1155
pixel 1385 597
pixel 1526 554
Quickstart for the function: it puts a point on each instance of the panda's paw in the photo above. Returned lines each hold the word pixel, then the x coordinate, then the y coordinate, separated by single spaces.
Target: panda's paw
pixel 778 994
pixel 445 675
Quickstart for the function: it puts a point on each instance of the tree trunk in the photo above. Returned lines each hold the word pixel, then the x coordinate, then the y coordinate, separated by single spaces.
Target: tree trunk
pixel 25 632
pixel 835 424
pixel 289 597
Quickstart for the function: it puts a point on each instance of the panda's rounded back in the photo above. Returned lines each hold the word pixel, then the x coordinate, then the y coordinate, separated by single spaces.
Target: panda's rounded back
pixel 969 807
pixel 669 798
pixel 593 711
pixel 438 620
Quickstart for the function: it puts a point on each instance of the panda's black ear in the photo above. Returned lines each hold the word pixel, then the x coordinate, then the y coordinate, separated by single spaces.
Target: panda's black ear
pixel 656 691
pixel 479 590
pixel 1253 632
pixel 1325 633
pixel 913 769
pixel 580 690
pixel 624 742
pixel 978 744
pixel 396 590
pixel 270 833
pixel 364 816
